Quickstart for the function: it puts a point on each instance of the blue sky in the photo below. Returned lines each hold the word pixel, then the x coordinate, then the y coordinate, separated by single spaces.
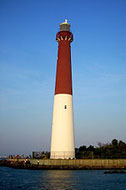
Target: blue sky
pixel 28 54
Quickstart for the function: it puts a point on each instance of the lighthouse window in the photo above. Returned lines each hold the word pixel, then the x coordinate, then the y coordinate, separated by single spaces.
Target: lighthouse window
pixel 65 107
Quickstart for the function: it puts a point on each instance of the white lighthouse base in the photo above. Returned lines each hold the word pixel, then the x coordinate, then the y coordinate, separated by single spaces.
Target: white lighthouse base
pixel 62 142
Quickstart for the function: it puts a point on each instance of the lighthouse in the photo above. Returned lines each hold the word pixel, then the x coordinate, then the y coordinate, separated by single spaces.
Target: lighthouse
pixel 62 141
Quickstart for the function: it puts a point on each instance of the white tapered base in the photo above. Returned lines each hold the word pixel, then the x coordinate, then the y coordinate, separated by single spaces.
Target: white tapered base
pixel 62 142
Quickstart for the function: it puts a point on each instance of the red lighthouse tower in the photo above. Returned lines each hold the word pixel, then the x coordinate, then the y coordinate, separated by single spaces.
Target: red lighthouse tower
pixel 62 142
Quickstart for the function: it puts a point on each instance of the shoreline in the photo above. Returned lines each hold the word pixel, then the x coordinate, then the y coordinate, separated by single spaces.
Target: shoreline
pixel 48 164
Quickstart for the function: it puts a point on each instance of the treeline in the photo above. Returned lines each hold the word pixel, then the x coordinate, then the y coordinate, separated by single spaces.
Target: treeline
pixel 113 150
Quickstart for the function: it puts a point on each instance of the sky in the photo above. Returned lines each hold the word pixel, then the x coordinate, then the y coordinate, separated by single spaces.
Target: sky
pixel 28 55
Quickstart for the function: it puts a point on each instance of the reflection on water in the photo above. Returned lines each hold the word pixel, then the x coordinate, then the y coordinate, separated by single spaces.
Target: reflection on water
pixel 58 179
pixel 14 179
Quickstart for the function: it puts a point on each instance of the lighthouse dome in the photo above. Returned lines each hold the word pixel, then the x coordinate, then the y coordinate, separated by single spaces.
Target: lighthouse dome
pixel 65 26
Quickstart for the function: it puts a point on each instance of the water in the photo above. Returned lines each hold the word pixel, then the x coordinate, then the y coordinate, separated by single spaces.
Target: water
pixel 12 179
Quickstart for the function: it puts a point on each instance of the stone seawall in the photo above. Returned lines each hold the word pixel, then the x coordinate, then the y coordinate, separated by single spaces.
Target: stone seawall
pixel 76 164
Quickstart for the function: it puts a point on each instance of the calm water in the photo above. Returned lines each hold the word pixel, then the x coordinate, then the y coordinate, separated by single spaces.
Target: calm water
pixel 60 180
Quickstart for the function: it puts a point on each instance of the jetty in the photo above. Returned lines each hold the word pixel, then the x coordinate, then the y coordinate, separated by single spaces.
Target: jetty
pixel 91 164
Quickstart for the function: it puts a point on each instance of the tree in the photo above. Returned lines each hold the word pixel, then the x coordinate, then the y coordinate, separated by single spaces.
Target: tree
pixel 115 142
pixel 90 148
pixel 122 146
pixel 82 148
